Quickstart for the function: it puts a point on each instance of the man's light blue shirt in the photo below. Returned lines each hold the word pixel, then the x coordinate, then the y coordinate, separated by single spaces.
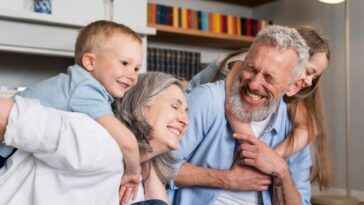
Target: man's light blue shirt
pixel 76 91
pixel 209 143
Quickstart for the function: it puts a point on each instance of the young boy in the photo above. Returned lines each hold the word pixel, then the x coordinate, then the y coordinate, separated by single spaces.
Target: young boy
pixel 108 57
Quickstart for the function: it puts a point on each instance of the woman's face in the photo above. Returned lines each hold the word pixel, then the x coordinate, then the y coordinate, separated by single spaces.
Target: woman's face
pixel 167 115
pixel 314 67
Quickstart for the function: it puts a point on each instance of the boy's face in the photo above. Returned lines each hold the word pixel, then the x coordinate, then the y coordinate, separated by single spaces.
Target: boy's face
pixel 115 64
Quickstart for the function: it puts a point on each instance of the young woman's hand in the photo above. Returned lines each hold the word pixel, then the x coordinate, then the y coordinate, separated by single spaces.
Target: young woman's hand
pixel 255 153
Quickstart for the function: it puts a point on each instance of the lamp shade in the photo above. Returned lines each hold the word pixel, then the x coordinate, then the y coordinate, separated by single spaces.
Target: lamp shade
pixel 332 1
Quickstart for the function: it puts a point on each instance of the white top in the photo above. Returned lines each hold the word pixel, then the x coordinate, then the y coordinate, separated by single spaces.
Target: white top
pixel 62 158
pixel 258 127
pixel 228 197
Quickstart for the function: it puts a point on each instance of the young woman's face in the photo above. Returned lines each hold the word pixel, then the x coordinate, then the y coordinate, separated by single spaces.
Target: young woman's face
pixel 167 115
pixel 314 68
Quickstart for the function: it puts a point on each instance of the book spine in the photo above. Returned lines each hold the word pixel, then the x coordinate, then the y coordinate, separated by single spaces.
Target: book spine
pixel 189 18
pixel 211 22
pixel 223 22
pixel 184 18
pixel 217 23
pixel 205 21
pixel 248 26
pixel 175 17
pixel 238 25
pixel 199 20
pixel 230 25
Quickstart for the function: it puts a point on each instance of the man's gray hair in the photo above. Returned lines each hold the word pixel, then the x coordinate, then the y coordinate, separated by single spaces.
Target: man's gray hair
pixel 284 37
pixel 129 111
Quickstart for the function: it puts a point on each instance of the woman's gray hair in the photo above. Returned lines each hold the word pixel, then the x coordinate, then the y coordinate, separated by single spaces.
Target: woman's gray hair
pixel 283 37
pixel 129 110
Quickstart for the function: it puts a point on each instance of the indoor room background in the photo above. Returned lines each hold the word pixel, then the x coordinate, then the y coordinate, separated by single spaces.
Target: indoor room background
pixel 22 63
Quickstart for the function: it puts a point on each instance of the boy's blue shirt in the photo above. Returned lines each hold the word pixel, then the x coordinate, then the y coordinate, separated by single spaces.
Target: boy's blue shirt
pixel 76 91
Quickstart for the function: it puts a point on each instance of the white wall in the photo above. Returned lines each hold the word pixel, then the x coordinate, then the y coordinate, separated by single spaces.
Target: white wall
pixel 54 35
pixel 330 20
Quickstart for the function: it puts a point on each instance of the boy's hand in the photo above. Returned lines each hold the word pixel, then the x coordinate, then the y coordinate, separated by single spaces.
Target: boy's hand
pixel 129 187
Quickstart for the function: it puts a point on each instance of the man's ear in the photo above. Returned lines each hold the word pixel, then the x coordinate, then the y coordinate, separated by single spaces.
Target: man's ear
pixel 88 61
pixel 295 87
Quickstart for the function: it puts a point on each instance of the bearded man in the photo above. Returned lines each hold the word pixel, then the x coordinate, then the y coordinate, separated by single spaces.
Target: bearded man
pixel 206 173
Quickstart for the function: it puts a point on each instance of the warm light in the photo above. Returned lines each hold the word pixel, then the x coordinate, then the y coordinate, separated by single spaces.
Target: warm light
pixel 332 1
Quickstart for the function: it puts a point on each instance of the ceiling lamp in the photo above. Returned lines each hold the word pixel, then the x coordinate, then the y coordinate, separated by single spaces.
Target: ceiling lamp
pixel 332 1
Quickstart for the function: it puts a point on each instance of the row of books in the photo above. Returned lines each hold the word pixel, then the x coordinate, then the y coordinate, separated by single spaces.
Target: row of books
pixel 205 21
pixel 182 64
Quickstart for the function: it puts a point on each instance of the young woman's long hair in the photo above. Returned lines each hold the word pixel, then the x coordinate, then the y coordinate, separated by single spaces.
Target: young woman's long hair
pixel 311 98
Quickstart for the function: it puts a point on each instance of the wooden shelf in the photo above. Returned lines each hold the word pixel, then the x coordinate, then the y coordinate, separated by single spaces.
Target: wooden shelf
pixel 249 3
pixel 199 38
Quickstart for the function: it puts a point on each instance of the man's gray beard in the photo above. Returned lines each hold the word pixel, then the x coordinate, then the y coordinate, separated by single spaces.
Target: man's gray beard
pixel 238 106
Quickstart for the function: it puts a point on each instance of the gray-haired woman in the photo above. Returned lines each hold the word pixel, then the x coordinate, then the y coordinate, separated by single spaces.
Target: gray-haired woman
pixel 155 110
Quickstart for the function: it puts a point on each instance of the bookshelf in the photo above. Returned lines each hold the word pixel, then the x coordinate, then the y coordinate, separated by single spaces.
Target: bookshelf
pixel 200 38
pixel 249 3
pixel 186 25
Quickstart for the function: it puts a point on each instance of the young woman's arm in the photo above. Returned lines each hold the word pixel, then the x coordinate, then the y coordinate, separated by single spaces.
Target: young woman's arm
pixel 300 135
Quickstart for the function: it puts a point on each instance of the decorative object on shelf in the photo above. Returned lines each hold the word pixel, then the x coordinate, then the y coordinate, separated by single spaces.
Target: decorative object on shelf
pixel 43 6
pixel 348 199
pixel 182 64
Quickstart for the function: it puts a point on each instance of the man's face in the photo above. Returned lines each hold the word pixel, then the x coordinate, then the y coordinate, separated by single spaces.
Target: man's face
pixel 264 78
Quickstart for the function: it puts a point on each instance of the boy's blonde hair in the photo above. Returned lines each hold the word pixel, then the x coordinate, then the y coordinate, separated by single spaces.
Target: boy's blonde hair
pixel 96 34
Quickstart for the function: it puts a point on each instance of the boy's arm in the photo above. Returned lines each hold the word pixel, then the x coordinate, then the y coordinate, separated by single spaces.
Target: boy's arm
pixel 129 147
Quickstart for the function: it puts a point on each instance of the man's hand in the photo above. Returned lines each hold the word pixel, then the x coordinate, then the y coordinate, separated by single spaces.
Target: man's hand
pixel 256 153
pixel 244 178
pixel 128 188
